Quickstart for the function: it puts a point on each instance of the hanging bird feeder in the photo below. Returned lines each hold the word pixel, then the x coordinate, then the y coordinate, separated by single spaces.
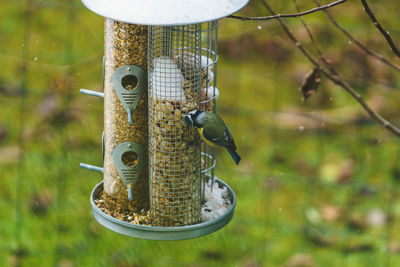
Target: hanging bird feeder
pixel 160 64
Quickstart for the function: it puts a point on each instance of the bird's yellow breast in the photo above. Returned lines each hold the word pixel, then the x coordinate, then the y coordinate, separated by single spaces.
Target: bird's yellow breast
pixel 205 140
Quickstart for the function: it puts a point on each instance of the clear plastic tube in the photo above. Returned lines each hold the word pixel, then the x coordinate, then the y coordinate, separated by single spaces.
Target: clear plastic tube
pixel 125 44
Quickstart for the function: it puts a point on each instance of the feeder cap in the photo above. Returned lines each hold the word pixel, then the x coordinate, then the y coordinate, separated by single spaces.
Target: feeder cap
pixel 165 12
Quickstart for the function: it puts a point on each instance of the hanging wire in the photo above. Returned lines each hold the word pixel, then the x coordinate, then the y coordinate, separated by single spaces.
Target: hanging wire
pixel 394 192
pixel 352 190
pixel 63 156
pixel 313 181
pixel 21 119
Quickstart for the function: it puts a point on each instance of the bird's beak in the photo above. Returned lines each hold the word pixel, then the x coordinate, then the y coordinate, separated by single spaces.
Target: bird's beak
pixel 188 120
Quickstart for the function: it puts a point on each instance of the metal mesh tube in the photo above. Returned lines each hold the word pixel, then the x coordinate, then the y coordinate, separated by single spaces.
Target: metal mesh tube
pixel 125 44
pixel 174 60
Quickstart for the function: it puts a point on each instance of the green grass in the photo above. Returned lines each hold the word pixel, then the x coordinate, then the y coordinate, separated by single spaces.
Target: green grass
pixel 285 173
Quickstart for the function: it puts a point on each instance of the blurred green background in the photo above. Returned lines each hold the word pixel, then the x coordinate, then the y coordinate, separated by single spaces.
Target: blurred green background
pixel 318 183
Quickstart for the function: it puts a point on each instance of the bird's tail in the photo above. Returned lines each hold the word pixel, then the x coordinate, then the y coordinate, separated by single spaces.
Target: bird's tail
pixel 235 156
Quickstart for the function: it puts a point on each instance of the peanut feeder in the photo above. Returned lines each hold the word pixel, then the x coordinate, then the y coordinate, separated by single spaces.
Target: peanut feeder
pixel 160 63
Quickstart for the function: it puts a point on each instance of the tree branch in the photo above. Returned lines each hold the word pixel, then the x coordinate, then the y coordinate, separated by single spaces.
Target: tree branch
pixel 335 77
pixel 296 15
pixel 313 41
pixel 380 28
pixel 359 44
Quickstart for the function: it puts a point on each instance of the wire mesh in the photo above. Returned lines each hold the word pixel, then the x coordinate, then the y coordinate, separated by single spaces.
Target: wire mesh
pixel 178 72
pixel 209 93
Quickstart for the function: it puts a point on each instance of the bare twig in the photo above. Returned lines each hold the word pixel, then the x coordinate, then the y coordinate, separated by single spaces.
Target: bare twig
pixel 296 15
pixel 358 43
pixel 314 42
pixel 380 28
pixel 335 77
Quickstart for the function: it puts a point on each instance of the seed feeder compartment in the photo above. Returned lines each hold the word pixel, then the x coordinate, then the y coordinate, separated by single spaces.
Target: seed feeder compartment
pixel 159 180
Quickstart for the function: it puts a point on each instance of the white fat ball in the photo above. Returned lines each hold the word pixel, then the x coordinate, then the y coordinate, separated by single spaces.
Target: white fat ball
pixel 167 81
pixel 211 92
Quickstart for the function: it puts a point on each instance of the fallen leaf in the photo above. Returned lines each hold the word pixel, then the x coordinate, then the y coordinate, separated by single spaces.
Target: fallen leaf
pixel 396 174
pixel 10 154
pixel 304 167
pixel 356 221
pixel 49 107
pixel 15 259
pixel 368 190
pixel 346 172
pixel 357 247
pixel 319 237
pixel 3 133
pixel 313 216
pixel 331 213
pixel 212 254
pixel 271 183
pixel 65 263
pixel 376 218
pixel 94 229
pixel 394 247
pixel 61 84
pixel 246 168
pixel 251 263
pixel 41 201
pixel 74 112
pixel 300 260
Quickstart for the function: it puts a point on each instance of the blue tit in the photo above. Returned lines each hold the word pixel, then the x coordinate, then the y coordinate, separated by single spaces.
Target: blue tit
pixel 213 131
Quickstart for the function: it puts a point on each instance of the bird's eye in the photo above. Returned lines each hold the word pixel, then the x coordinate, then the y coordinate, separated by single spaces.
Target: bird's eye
pixel 188 120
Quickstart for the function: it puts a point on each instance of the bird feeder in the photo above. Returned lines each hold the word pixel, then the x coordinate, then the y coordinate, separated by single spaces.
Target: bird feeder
pixel 160 63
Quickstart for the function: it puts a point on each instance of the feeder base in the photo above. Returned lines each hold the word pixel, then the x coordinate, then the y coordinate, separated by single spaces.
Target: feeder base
pixel 162 233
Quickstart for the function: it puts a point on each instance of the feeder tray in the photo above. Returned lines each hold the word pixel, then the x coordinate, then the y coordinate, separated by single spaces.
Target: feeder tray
pixel 162 233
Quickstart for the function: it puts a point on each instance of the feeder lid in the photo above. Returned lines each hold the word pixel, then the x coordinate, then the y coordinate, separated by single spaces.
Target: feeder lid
pixel 165 12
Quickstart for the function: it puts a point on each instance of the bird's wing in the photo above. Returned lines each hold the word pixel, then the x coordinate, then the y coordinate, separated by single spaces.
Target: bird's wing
pixel 220 138
pixel 231 142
